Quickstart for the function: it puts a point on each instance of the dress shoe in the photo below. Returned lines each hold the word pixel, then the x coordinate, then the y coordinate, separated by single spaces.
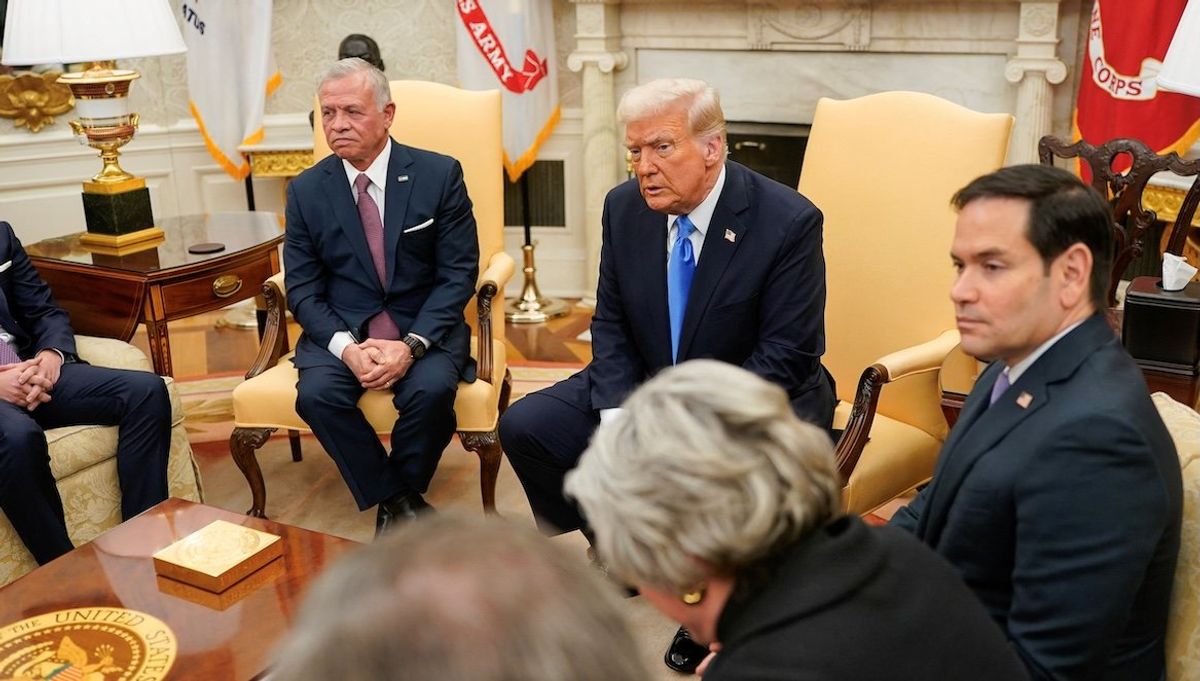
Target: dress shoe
pixel 399 509
pixel 685 654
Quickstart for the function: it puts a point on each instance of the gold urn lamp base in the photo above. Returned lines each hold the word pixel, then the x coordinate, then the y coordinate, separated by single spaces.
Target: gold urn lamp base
pixel 116 204
pixel 531 307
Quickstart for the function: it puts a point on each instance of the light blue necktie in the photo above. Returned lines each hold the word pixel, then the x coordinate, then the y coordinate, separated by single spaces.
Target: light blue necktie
pixel 680 268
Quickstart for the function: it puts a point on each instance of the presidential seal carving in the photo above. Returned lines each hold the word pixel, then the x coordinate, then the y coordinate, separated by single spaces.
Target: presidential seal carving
pixel 87 644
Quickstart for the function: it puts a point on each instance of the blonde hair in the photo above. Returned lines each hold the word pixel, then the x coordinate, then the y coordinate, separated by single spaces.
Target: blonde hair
pixel 706 468
pixel 705 118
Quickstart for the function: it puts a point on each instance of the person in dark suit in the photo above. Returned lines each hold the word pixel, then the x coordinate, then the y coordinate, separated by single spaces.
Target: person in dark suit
pixel 1058 493
pixel 724 509
pixel 381 257
pixel 43 384
pixel 745 285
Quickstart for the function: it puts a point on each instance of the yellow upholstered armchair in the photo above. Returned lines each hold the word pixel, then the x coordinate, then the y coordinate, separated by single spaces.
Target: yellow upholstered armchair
pixel 1183 623
pixel 83 460
pixel 882 168
pixel 466 125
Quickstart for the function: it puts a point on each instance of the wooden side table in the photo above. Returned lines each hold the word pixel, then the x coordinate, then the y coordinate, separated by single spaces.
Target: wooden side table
pixel 109 295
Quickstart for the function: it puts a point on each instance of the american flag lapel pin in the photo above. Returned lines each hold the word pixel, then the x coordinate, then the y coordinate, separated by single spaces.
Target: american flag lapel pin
pixel 1024 400
pixel 730 236
pixel 402 178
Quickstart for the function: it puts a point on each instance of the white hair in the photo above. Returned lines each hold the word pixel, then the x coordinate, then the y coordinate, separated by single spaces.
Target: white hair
pixel 381 90
pixel 706 469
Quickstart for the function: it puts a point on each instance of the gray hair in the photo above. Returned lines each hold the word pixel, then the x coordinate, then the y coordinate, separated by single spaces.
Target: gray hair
pixel 381 90
pixel 705 118
pixel 460 598
pixel 706 468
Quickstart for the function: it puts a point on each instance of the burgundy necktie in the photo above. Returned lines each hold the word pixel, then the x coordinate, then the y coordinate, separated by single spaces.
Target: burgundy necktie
pixel 381 325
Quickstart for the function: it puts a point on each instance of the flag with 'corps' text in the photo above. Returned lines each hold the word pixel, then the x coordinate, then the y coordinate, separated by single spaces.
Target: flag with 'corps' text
pixel 230 73
pixel 509 45
pixel 1118 89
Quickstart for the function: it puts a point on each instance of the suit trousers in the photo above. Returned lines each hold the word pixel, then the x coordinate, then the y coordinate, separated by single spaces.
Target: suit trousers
pixel 543 438
pixel 134 401
pixel 327 400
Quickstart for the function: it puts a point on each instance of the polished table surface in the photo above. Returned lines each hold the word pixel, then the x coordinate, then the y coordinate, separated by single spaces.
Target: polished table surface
pixel 217 641
pixel 109 295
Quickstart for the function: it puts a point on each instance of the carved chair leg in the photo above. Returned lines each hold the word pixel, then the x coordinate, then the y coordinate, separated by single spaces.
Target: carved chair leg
pixel 243 444
pixel 505 390
pixel 294 441
pixel 487 447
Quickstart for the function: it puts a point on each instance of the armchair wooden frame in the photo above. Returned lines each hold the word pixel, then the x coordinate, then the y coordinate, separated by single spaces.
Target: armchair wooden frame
pixel 244 443
pixel 1131 219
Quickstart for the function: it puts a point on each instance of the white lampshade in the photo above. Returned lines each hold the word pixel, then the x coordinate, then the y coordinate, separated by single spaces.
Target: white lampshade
pixel 72 31
pixel 1181 67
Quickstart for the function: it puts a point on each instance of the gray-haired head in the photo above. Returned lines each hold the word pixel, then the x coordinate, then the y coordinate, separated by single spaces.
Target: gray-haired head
pixel 705 117
pixel 706 471
pixel 381 90
pixel 460 598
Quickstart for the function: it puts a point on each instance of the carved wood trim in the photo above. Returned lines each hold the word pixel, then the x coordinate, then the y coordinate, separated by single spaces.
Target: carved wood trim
pixel 485 364
pixel 862 415
pixel 274 342
pixel 243 446
pixel 1131 219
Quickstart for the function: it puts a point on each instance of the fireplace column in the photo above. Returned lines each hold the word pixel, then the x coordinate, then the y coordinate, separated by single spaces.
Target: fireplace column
pixel 1034 69
pixel 597 54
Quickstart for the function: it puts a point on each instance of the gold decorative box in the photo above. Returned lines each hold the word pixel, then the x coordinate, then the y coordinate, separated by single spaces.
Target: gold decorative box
pixel 217 556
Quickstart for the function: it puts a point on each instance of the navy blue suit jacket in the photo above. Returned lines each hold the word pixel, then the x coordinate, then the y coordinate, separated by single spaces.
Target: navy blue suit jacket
pixel 757 299
pixel 431 254
pixel 28 310
pixel 1063 514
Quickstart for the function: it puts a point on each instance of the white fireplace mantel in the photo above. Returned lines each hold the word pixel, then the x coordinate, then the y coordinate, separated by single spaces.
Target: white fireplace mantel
pixel 771 60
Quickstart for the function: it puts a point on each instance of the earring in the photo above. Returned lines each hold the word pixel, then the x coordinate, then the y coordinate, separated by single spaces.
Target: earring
pixel 693 597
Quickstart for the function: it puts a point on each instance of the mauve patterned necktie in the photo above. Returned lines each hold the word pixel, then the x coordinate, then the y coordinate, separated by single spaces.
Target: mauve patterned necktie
pixel 8 353
pixel 999 387
pixel 381 325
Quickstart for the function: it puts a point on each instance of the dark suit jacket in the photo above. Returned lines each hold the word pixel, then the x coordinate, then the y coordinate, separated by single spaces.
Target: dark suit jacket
pixel 1063 515
pixel 28 310
pixel 856 602
pixel 431 271
pixel 757 299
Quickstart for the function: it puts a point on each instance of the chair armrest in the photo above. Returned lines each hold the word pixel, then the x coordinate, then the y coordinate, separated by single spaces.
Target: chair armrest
pixel 912 361
pixel 499 270
pixel 274 342
pixel 110 352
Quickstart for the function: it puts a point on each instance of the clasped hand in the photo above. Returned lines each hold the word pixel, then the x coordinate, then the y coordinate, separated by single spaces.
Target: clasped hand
pixel 28 383
pixel 378 364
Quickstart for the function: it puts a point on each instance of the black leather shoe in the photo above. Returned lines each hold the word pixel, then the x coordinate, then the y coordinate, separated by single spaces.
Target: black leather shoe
pixel 684 655
pixel 399 509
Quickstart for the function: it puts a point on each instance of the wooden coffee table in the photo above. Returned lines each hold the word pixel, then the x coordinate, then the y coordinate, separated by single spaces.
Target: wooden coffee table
pixel 216 640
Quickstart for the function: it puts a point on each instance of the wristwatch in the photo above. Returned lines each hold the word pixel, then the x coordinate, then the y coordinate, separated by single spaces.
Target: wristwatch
pixel 418 348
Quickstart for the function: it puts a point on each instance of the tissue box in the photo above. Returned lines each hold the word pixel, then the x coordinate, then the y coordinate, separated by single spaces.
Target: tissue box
pixel 1162 328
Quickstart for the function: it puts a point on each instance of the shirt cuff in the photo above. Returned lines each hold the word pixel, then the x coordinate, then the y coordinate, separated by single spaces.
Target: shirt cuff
pixel 339 342
pixel 423 339
pixel 610 415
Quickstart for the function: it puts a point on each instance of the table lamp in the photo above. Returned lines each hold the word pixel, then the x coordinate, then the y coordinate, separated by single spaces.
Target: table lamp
pixel 1181 67
pixel 116 204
